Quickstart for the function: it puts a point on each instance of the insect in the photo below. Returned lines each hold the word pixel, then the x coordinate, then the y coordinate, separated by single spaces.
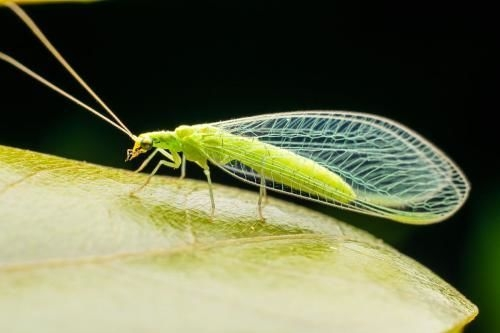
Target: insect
pixel 352 160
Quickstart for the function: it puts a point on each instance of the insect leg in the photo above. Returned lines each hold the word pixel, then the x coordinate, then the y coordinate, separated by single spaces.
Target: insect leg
pixel 206 171
pixel 174 163
pixel 150 157
pixel 183 167
pixel 262 195
pixel 264 190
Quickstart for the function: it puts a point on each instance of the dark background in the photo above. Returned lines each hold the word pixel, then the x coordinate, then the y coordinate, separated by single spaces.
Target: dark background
pixel 159 65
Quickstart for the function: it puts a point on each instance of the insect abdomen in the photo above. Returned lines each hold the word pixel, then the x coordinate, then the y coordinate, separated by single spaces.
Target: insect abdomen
pixel 299 173
pixel 278 165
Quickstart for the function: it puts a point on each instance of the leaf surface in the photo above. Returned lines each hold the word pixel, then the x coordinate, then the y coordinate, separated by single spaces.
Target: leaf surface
pixel 80 254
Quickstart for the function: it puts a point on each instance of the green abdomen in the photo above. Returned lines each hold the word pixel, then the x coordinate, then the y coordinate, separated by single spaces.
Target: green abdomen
pixel 278 165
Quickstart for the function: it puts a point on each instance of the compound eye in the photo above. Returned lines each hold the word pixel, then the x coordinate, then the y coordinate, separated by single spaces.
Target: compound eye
pixel 146 143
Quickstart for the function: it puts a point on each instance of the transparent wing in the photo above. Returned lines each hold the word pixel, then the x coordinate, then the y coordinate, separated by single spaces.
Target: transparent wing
pixel 394 172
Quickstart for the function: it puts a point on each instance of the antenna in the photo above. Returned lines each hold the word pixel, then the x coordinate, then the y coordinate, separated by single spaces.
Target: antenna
pixel 44 40
pixel 8 59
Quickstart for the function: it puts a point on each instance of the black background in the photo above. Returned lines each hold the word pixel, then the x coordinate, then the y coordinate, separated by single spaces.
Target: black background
pixel 159 65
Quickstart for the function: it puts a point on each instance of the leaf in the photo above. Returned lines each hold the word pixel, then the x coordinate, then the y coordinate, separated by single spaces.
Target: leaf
pixel 80 254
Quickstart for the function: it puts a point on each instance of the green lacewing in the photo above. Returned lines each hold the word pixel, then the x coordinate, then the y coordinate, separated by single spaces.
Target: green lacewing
pixel 356 161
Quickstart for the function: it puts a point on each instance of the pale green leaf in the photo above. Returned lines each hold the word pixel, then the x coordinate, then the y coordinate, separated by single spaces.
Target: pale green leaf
pixel 80 254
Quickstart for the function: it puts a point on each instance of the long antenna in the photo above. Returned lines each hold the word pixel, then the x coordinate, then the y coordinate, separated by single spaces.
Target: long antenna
pixel 44 40
pixel 8 59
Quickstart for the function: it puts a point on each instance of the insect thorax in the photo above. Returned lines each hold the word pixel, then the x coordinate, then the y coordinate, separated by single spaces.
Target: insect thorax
pixel 164 140
pixel 194 139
